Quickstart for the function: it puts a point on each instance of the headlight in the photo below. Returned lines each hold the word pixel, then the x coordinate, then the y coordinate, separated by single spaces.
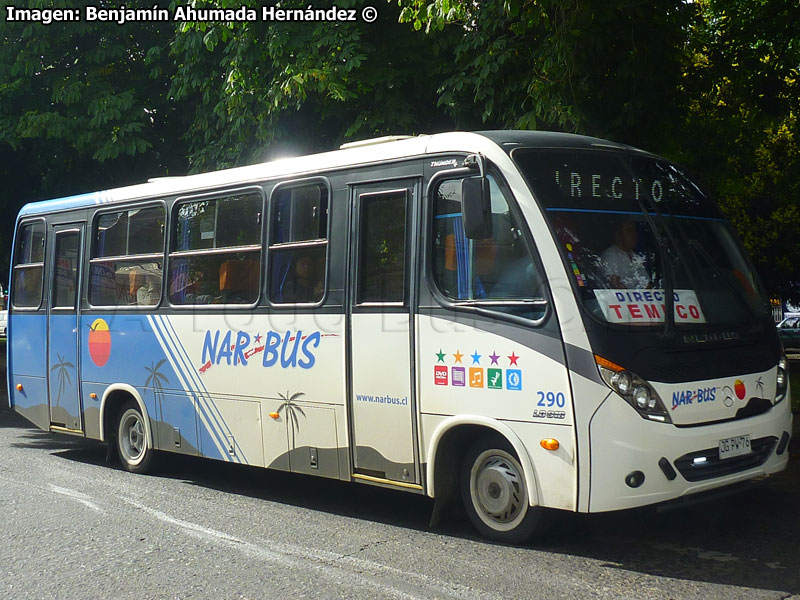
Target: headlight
pixel 636 391
pixel 782 382
pixel 622 381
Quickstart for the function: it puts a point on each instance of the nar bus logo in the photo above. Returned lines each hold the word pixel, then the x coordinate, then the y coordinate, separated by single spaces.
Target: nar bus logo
pixel 698 396
pixel 234 348
pixel 440 375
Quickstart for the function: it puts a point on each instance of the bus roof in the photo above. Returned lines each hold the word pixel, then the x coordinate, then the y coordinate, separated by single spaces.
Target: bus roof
pixel 364 153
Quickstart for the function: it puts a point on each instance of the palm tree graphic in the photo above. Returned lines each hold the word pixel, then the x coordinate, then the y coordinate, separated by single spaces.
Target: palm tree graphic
pixel 292 411
pixel 760 386
pixel 156 378
pixel 62 366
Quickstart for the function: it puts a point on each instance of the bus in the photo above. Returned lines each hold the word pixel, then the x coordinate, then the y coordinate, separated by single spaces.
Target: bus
pixel 525 320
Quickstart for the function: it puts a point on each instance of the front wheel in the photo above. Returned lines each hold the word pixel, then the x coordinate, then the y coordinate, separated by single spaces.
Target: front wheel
pixel 495 495
pixel 135 452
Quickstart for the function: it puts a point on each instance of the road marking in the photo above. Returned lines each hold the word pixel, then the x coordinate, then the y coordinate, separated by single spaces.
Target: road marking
pixel 84 499
pixel 329 563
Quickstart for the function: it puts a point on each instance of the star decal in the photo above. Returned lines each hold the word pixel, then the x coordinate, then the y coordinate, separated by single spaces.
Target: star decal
pixel 257 338
pixel 494 357
pixel 476 358
pixel 513 358
pixel 440 356
pixel 458 356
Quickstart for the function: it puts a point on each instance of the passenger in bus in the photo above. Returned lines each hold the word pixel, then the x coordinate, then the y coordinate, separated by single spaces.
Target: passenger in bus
pixel 624 266
pixel 148 293
pixel 305 284
pixel 519 281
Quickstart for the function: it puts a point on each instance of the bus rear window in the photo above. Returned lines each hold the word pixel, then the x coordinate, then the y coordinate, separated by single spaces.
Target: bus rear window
pixel 26 283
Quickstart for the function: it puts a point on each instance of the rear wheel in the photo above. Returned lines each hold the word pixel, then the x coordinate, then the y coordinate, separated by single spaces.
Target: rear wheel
pixel 135 452
pixel 495 495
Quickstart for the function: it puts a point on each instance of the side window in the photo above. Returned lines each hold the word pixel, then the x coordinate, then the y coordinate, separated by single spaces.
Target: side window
pixel 299 244
pixel 498 269
pixel 127 258
pixel 26 283
pixel 216 250
pixel 382 248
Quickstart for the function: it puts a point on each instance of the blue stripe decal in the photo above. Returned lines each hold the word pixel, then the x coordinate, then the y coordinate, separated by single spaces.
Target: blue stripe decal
pixel 206 404
pixel 210 411
pixel 186 383
pixel 181 374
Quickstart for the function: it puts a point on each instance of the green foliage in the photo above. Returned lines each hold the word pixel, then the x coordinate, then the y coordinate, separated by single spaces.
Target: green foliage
pixel 307 85
pixel 80 89
pixel 711 83
pixel 743 120
pixel 83 106
pixel 603 69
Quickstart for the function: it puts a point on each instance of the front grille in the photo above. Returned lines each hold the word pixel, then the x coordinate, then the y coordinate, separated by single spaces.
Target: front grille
pixel 714 467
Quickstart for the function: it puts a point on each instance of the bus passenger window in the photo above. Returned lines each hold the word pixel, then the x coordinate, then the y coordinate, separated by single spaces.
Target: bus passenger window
pixel 26 283
pixel 497 268
pixel 216 251
pixel 298 244
pixel 127 259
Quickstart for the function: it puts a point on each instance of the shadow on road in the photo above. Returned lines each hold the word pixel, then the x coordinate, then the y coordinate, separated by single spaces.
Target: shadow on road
pixel 749 539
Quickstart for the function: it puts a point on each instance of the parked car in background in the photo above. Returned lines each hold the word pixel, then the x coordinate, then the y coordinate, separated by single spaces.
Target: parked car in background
pixel 789 331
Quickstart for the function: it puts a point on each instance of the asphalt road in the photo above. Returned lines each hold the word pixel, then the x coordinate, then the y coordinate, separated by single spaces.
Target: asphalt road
pixel 72 526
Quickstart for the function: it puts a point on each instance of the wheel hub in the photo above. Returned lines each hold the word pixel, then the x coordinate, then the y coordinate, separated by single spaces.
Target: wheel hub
pixel 132 434
pixel 499 489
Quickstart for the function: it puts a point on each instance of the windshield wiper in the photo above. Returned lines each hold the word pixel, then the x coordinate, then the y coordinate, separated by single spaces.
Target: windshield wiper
pixel 663 251
pixel 737 292
pixel 702 252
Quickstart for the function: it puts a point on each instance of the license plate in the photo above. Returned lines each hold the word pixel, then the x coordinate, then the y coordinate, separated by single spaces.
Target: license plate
pixel 734 446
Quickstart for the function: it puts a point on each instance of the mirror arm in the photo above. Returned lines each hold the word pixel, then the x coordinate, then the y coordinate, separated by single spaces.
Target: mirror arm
pixel 476 160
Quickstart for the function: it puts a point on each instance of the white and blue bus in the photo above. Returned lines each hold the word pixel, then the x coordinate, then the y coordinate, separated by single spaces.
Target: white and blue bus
pixel 528 320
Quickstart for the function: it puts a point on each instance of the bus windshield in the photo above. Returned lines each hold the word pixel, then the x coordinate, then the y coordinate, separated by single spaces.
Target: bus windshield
pixel 642 241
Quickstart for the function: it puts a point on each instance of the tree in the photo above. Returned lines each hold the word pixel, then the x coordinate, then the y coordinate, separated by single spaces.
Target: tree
pixel 82 108
pixel 713 84
pixel 602 69
pixel 745 89
pixel 265 89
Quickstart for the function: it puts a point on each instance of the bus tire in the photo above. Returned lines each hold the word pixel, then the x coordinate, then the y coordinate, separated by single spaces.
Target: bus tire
pixel 495 495
pixel 135 452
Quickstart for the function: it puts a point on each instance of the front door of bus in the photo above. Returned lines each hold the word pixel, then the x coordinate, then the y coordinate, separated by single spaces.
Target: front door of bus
pixel 63 379
pixel 382 399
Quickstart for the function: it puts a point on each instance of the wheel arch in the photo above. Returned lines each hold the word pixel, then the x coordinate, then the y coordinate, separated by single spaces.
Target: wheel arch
pixel 113 399
pixel 457 433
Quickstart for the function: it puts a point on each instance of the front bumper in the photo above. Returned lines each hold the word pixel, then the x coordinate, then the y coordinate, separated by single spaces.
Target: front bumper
pixel 623 443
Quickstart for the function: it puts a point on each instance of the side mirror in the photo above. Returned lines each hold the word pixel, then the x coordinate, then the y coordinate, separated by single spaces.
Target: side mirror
pixel 476 208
